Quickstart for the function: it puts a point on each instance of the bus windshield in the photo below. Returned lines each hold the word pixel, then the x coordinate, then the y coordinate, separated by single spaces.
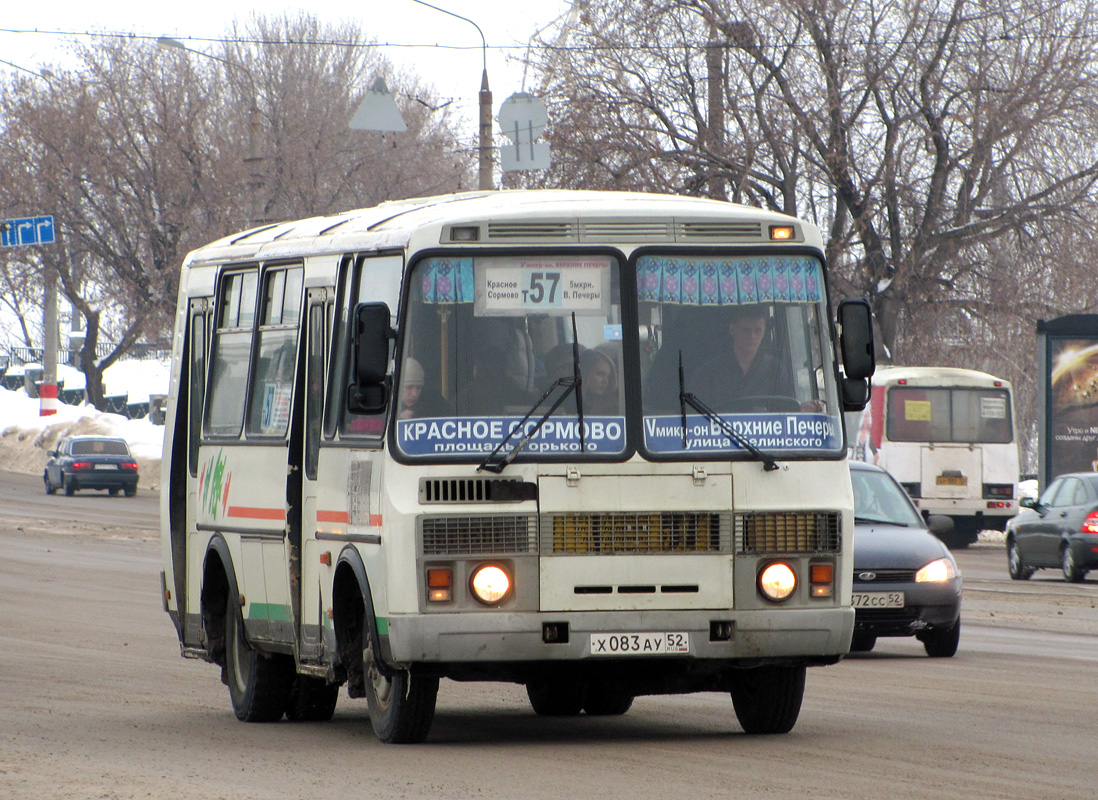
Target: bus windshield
pixel 746 336
pixel 958 414
pixel 487 336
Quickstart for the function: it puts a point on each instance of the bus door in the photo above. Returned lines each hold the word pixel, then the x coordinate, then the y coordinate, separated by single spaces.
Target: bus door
pixel 303 546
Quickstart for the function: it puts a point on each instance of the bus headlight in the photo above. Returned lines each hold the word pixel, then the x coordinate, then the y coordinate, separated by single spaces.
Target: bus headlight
pixel 490 584
pixel 777 581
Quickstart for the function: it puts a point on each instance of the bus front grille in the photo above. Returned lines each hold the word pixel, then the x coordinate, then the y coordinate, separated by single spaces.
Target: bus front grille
pixel 500 534
pixel 631 533
pixel 785 532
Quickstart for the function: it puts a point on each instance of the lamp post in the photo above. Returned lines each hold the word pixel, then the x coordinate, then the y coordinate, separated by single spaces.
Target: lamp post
pixel 254 160
pixel 484 147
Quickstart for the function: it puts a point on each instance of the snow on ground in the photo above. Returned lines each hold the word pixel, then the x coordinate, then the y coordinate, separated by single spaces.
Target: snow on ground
pixel 26 437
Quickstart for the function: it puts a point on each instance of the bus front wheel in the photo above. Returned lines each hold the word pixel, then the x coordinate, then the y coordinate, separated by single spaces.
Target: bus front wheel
pixel 402 705
pixel 768 699
pixel 259 685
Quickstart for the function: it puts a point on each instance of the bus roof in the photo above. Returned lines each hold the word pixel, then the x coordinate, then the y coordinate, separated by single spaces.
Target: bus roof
pixel 935 376
pixel 543 217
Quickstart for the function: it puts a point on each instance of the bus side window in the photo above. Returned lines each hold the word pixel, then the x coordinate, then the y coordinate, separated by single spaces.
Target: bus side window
pixel 314 382
pixel 197 375
pixel 272 386
pixel 232 345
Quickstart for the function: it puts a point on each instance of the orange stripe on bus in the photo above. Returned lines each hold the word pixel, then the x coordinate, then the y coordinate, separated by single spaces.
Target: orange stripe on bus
pixel 333 516
pixel 257 513
pixel 375 520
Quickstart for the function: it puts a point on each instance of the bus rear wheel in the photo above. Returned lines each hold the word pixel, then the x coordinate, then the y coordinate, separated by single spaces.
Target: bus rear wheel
pixel 402 705
pixel 557 697
pixel 259 685
pixel 605 698
pixel 768 699
pixel 312 700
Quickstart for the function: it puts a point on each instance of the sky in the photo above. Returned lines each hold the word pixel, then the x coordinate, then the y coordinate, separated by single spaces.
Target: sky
pixel 441 49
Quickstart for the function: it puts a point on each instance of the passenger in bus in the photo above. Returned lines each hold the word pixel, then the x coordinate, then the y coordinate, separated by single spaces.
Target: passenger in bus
pixel 411 388
pixel 600 384
pixel 490 389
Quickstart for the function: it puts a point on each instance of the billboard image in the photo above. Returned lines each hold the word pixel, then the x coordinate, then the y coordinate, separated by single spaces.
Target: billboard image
pixel 1073 405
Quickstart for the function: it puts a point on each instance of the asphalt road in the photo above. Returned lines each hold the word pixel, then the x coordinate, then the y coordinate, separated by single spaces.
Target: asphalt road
pixel 95 701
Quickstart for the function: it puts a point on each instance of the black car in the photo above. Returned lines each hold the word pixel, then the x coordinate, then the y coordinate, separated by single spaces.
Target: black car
pixel 1058 530
pixel 906 583
pixel 91 462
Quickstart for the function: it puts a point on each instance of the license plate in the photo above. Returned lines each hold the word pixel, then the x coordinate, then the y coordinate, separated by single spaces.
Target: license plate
pixel 639 644
pixel 878 599
pixel 106 466
pixel 952 480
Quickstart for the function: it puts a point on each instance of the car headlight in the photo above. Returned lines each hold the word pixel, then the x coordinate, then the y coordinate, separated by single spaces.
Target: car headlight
pixel 937 571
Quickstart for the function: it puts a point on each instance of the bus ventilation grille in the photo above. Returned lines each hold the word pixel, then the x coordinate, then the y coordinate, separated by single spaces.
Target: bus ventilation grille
pixel 501 534
pixel 475 490
pixel 623 533
pixel 720 230
pixel 777 532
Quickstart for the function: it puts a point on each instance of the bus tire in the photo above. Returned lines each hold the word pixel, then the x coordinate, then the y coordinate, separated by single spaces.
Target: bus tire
pixel 606 699
pixel 768 699
pixel 312 700
pixel 863 642
pixel 558 697
pixel 402 705
pixel 259 685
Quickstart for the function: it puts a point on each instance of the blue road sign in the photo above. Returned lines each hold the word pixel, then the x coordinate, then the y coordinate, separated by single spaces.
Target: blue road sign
pixel 26 231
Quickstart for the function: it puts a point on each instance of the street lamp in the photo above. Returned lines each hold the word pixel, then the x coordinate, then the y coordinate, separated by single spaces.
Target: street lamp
pixel 253 159
pixel 485 136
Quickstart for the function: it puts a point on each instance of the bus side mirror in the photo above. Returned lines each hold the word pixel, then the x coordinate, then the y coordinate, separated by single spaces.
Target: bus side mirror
pixel 369 391
pixel 856 393
pixel 856 338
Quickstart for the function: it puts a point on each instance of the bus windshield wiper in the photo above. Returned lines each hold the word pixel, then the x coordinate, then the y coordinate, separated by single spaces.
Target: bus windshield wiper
pixel 572 384
pixel 689 399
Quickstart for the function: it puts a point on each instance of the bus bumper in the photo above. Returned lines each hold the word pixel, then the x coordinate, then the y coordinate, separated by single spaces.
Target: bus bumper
pixel 723 635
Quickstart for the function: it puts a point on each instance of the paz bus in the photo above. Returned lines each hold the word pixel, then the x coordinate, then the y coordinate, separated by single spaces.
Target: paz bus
pixel 948 436
pixel 478 437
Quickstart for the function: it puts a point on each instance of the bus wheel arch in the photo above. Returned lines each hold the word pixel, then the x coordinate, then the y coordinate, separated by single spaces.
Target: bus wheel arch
pixel 218 585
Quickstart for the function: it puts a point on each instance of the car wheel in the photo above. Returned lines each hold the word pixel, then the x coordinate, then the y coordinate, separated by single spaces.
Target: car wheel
pixel 557 697
pixel 1072 573
pixel 49 486
pixel 768 699
pixel 259 685
pixel 605 699
pixel 1017 567
pixel 942 642
pixel 70 490
pixel 130 492
pixel 863 642
pixel 112 492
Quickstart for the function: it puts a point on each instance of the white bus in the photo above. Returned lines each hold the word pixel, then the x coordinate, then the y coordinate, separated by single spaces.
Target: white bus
pixel 948 436
pixel 491 437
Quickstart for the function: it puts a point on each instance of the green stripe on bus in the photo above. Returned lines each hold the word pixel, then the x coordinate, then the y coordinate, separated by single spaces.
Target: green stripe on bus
pixel 383 626
pixel 273 611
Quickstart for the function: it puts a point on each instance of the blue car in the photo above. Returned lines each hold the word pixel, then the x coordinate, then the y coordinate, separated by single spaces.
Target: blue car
pixel 91 462
pixel 906 582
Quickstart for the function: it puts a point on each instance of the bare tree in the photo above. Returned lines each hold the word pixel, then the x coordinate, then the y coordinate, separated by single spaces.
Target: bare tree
pixel 914 131
pixel 143 155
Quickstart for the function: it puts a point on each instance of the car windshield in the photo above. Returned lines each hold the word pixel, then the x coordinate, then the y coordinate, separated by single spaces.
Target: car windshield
pixel 100 447
pixel 878 498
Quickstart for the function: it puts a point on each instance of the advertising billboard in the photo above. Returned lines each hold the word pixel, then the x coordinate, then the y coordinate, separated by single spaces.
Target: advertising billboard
pixel 1068 395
